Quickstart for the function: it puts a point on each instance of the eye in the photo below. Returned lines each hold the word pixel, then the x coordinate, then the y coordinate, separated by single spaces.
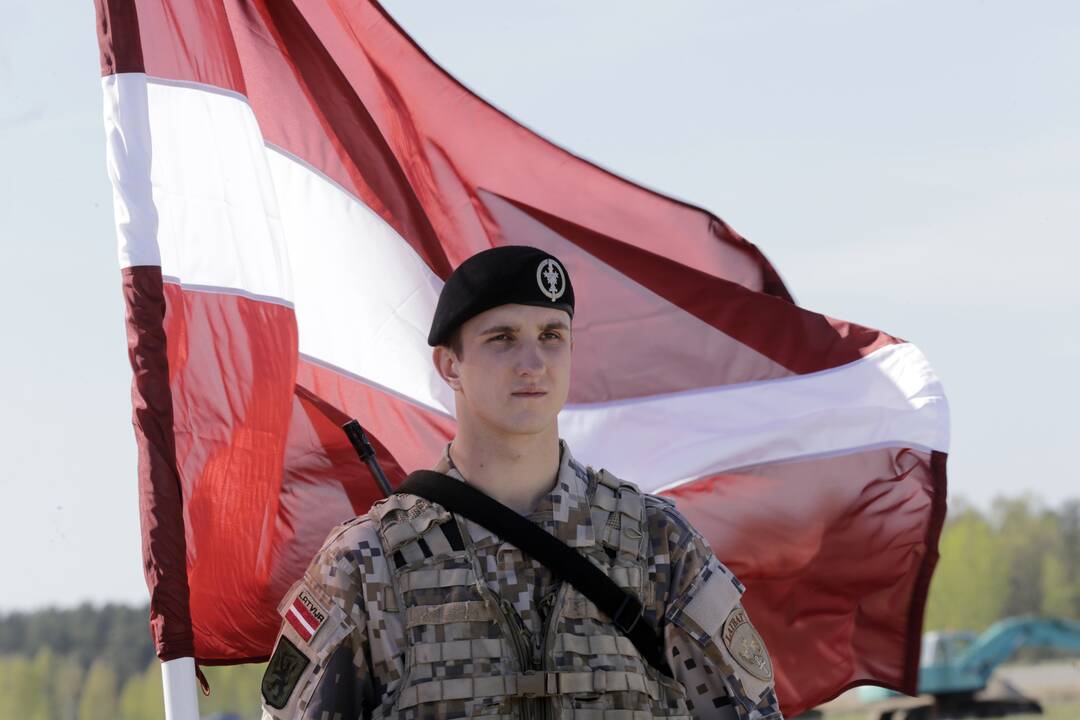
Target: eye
pixel 501 337
pixel 550 335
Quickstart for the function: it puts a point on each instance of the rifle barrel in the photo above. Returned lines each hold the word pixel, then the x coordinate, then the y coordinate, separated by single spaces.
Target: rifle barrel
pixel 366 451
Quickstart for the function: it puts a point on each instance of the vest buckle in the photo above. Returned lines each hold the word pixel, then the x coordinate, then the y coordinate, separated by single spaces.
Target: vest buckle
pixel 537 684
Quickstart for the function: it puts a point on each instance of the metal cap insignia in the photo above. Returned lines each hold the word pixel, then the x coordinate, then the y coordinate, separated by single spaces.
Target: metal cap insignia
pixel 551 279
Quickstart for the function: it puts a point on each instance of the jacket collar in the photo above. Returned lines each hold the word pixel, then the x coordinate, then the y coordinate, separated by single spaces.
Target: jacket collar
pixel 564 512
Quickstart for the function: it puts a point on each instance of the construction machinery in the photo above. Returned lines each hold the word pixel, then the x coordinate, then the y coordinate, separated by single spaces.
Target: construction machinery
pixel 956 668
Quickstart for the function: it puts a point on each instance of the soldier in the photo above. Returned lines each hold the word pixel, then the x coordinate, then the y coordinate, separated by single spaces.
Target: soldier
pixel 410 611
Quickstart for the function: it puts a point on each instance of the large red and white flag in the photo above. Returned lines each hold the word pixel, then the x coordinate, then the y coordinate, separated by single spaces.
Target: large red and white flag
pixel 294 179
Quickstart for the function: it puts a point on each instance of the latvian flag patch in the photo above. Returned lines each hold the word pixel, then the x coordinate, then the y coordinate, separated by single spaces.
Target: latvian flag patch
pixel 306 615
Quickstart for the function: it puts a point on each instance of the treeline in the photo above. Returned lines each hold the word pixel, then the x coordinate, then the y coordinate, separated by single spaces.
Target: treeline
pixel 90 663
pixel 48 686
pixel 118 635
pixel 1018 558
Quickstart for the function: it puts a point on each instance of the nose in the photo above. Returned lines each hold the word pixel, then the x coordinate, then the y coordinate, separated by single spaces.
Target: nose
pixel 530 362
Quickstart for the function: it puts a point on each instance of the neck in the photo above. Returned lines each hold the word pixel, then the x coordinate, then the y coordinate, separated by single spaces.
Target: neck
pixel 516 470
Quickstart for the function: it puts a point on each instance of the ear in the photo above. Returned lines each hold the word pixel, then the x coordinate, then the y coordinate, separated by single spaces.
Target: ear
pixel 446 364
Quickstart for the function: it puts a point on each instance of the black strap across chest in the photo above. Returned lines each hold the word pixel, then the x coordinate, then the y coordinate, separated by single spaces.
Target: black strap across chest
pixel 566 563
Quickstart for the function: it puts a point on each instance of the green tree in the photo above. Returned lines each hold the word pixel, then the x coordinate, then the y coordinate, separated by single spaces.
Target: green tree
pixel 67 687
pixel 1028 535
pixel 233 689
pixel 16 687
pixel 1057 593
pixel 142 697
pixel 1070 557
pixel 43 674
pixel 98 701
pixel 115 633
pixel 971 583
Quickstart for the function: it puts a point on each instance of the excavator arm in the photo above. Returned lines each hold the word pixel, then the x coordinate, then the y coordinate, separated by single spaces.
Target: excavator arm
pixel 1002 639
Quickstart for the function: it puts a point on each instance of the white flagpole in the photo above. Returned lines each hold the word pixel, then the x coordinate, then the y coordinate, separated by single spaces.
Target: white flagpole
pixel 181 697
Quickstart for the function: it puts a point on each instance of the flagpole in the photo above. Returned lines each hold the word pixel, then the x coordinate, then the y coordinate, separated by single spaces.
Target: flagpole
pixel 178 682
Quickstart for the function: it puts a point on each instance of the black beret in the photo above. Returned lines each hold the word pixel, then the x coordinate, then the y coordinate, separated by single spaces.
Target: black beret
pixel 508 274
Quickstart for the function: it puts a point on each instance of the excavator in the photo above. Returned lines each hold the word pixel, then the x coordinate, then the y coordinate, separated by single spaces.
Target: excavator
pixel 955 671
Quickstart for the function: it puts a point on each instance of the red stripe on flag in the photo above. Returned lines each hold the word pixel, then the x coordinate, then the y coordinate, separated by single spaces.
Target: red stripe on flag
pixel 231 374
pixel 118 37
pixel 160 492
pixel 798 340
pixel 832 567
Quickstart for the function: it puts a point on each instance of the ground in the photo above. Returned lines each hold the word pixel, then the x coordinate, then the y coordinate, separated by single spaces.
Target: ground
pixel 1054 684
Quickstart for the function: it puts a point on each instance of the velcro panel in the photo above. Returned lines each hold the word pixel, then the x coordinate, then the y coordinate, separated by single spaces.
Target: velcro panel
pixel 466 611
pixel 436 578
pixel 460 650
pixel 595 644
pixel 710 604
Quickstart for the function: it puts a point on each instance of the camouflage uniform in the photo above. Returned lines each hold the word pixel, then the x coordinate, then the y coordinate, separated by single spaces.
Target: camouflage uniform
pixel 410 612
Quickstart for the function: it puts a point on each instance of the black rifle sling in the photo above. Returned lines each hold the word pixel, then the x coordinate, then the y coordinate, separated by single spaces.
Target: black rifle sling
pixel 624 608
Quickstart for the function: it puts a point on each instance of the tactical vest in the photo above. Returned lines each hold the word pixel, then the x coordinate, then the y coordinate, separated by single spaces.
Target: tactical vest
pixel 465 654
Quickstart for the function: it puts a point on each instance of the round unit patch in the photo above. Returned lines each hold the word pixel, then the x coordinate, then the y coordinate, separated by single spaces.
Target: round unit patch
pixel 746 646
pixel 551 278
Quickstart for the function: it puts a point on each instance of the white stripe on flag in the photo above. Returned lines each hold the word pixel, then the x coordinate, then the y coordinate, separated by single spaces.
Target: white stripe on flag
pixel 231 213
pixel 192 187
pixel 888 398
pixel 364 298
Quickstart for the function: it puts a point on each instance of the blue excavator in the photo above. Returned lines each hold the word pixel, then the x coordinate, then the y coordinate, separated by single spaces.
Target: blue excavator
pixel 956 667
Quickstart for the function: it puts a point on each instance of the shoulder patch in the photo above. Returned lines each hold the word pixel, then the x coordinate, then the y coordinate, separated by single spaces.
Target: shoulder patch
pixel 746 646
pixel 306 614
pixel 282 673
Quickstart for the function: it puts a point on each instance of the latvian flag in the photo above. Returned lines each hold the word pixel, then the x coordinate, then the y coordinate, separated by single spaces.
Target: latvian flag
pixel 293 181
pixel 305 615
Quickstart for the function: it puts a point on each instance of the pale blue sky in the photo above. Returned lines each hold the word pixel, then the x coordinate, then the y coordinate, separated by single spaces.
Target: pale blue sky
pixel 909 166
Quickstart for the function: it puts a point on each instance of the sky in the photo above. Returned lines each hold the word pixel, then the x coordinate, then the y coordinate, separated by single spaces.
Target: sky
pixel 912 166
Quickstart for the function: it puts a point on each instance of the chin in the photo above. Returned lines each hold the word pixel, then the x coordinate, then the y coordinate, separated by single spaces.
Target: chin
pixel 530 425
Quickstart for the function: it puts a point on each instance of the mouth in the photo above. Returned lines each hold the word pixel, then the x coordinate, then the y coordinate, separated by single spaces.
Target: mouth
pixel 529 393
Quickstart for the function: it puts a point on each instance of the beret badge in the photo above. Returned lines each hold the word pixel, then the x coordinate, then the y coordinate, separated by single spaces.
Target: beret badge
pixel 551 278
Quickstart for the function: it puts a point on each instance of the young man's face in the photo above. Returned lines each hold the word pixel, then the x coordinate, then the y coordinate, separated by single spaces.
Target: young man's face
pixel 513 372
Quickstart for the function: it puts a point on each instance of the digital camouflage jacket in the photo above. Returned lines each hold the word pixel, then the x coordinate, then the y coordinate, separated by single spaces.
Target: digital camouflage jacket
pixel 410 612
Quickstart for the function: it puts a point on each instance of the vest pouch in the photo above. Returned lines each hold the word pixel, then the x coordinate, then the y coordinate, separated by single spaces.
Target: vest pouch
pixel 457 662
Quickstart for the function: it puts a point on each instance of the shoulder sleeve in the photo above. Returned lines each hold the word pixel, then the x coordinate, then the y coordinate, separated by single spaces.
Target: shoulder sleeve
pixel 320 665
pixel 712 647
